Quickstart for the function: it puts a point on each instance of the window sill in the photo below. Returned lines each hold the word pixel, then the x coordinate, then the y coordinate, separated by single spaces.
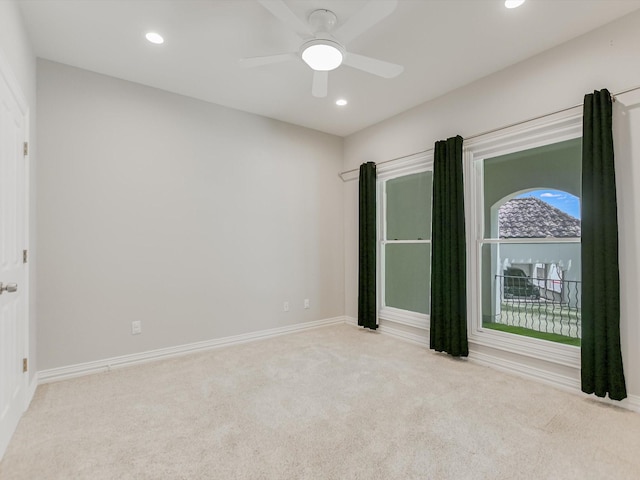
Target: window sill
pixel 405 317
pixel 566 355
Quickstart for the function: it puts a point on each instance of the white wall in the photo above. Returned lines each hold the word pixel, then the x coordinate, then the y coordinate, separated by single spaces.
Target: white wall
pixel 554 80
pixel 196 219
pixel 16 50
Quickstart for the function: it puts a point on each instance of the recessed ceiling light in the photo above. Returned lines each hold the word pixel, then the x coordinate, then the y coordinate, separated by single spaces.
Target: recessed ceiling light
pixel 513 3
pixel 341 102
pixel 154 37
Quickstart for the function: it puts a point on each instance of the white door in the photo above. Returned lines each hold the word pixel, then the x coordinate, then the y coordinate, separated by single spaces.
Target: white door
pixel 13 271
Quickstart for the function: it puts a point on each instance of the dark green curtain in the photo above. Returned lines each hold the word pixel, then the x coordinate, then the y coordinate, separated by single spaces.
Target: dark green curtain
pixel 600 347
pixel 448 252
pixel 367 305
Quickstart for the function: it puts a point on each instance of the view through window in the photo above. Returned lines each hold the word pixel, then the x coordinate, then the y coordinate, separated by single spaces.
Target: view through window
pixel 530 255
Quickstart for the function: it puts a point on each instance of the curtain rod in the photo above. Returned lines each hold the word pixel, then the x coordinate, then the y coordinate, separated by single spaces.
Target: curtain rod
pixel 613 97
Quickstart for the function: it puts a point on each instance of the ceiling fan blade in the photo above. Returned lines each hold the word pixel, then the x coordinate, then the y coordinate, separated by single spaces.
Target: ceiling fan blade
pixel 364 19
pixel 266 60
pixel 320 83
pixel 373 65
pixel 282 12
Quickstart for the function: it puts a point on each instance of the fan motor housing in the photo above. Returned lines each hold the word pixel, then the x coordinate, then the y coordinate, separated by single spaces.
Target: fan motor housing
pixel 322 20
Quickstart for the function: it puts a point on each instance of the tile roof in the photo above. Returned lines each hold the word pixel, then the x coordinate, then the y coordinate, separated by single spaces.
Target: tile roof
pixel 534 218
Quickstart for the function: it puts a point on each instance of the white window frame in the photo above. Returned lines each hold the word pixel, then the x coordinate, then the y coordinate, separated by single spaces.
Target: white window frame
pixel 417 163
pixel 552 129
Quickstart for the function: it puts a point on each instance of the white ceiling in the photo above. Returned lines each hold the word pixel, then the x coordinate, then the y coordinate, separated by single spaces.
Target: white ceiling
pixel 443 45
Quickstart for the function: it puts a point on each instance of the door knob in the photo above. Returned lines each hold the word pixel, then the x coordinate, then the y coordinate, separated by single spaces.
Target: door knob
pixel 9 287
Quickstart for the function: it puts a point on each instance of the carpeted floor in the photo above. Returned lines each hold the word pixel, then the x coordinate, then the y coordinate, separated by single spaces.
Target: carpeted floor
pixel 330 403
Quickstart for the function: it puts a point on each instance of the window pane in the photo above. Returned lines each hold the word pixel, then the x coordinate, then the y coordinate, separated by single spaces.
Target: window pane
pixel 533 289
pixel 409 207
pixel 549 176
pixel 407 276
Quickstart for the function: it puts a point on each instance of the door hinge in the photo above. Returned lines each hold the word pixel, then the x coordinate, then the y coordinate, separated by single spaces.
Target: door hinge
pixel 25 256
pixel 25 148
pixel 25 365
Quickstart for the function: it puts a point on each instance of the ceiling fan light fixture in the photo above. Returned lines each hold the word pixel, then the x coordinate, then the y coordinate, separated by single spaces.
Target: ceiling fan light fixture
pixel 322 55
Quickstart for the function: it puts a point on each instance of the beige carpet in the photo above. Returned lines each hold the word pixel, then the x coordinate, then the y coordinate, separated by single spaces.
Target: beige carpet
pixel 331 403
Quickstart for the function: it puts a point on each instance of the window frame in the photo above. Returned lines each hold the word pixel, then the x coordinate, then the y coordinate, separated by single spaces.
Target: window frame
pixel 412 164
pixel 566 125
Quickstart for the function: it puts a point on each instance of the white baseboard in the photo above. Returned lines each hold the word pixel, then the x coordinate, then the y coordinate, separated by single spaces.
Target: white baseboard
pixel 351 321
pixel 632 402
pixel 569 384
pixel 107 364
pixel 422 340
pixel 495 362
pixel 31 391
pixel 524 370
pixel 562 382
pixel 395 332
pixel 559 381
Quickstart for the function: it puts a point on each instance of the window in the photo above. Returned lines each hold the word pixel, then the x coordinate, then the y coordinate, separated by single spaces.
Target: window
pixel 524 252
pixel 405 242
pixel 536 286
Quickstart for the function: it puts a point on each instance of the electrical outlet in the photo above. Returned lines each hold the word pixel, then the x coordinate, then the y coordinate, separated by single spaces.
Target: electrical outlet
pixel 285 306
pixel 306 303
pixel 136 327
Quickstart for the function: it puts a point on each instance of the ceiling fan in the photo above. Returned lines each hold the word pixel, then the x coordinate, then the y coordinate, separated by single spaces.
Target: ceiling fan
pixel 323 41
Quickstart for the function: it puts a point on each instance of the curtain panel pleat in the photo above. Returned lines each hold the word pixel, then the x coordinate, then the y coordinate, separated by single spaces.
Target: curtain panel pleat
pixel 367 303
pixel 448 317
pixel 601 359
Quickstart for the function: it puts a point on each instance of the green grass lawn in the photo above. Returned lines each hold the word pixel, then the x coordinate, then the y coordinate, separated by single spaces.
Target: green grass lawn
pixel 551 337
pixel 541 309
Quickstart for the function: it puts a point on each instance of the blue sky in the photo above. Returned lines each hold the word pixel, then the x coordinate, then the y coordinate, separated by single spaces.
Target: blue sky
pixel 561 200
